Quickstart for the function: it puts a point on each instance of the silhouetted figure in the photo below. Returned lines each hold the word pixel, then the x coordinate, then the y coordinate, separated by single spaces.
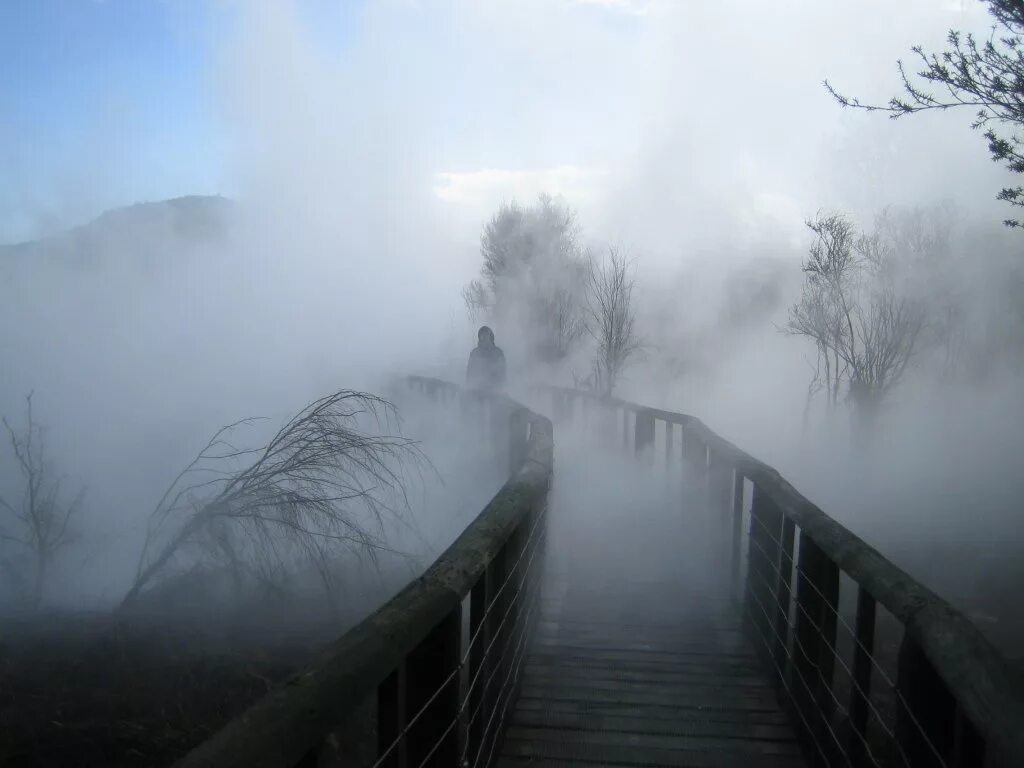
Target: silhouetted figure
pixel 486 369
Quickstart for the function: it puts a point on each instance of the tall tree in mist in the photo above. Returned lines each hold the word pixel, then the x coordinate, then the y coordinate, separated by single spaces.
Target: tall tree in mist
pixel 865 324
pixel 822 313
pixel 37 522
pixel 321 486
pixel 985 76
pixel 912 247
pixel 611 318
pixel 531 278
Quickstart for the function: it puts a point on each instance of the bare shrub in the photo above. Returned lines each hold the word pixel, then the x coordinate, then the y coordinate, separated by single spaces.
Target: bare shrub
pixel 319 487
pixel 39 521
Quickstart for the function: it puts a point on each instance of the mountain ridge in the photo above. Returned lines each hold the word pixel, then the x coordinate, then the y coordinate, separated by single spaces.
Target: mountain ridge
pixel 189 219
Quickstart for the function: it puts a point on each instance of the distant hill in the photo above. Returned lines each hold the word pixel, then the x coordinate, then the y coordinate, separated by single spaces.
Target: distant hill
pixel 144 229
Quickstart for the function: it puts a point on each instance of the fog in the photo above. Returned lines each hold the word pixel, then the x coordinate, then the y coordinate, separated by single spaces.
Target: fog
pixel 360 170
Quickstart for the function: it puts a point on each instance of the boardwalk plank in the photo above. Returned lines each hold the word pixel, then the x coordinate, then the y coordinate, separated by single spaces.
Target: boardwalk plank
pixel 713 756
pixel 639 722
pixel 642 661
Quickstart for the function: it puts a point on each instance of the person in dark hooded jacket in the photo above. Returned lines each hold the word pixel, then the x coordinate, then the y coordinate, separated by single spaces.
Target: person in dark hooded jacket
pixel 486 369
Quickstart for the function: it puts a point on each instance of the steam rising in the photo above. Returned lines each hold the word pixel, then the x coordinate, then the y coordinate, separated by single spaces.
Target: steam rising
pixel 696 136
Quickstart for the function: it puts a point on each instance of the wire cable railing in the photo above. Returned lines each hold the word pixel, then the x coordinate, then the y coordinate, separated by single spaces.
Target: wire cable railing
pixel 442 661
pixel 947 699
pixel 891 686
pixel 519 625
pixel 437 666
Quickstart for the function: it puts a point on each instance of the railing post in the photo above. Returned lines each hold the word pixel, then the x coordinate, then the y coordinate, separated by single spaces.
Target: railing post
pixel 643 434
pixel 968 743
pixel 518 438
pixel 472 410
pixel 695 463
pixel 564 403
pixel 762 563
pixel 737 531
pixel 497 572
pixel 805 636
pixel 391 718
pixel 479 597
pixel 925 710
pixel 720 501
pixel 426 669
pixel 783 592
pixel 694 453
pixel 860 692
pixel 829 586
pixel 817 599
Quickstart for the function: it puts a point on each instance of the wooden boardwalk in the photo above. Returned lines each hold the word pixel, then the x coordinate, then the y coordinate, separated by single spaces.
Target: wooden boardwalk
pixel 618 680
pixel 639 658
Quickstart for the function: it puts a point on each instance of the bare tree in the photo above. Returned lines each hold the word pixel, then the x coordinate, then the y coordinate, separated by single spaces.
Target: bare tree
pixel 984 76
pixel 823 313
pixel 817 317
pixel 612 318
pixel 319 486
pixel 40 519
pixel 888 329
pixel 864 327
pixel 913 247
pixel 565 321
pixel 477 300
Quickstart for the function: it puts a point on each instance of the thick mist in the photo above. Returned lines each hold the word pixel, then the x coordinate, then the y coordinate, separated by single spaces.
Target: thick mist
pixel 696 136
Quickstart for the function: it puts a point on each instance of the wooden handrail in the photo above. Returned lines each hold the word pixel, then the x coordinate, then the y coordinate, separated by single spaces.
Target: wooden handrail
pixel 283 727
pixel 972 669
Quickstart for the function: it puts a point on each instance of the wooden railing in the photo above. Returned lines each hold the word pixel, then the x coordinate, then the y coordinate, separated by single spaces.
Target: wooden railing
pixel 950 700
pixel 440 658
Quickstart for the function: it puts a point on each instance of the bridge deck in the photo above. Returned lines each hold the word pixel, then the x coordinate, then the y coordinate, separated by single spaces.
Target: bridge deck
pixel 639 657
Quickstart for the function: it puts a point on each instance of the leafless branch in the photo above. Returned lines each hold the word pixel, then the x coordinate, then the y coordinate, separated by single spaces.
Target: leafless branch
pixel 986 75
pixel 319 483
pixel 40 517
pixel 612 318
pixel 865 325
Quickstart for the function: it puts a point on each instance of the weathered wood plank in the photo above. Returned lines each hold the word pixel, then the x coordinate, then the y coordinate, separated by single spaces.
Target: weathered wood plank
pixel 701 760
pixel 655 741
pixel 690 676
pixel 614 656
pixel 696 666
pixel 613 682
pixel 527 704
pixel 628 754
pixel 640 723
pixel 738 651
pixel 682 698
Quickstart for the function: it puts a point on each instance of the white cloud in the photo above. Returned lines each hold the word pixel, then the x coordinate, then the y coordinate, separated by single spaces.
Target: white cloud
pixel 487 187
pixel 634 7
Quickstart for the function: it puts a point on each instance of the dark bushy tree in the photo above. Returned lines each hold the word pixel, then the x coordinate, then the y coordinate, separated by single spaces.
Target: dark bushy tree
pixel 532 276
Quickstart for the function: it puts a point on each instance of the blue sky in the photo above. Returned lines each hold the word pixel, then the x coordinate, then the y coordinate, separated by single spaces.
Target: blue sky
pixel 130 78
pixel 635 109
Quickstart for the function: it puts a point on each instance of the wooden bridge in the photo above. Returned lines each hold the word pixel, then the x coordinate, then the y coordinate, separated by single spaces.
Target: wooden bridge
pixel 669 601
